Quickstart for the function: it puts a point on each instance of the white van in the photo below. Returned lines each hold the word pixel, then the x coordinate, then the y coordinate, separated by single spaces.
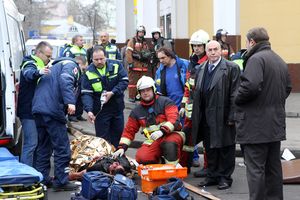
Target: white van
pixel 12 51
pixel 57 45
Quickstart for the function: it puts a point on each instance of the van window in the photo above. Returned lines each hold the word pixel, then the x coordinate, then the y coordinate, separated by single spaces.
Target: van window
pixel 16 42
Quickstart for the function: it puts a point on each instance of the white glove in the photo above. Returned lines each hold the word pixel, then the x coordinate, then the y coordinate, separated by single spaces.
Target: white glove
pixel 156 134
pixel 119 152
pixel 181 112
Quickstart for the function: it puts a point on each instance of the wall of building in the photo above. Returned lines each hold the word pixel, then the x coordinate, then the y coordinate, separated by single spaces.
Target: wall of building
pixel 277 16
pixel 280 18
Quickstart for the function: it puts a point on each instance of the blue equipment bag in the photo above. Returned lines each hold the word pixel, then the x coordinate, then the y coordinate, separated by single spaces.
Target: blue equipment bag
pixel 95 185
pixel 174 189
pixel 122 188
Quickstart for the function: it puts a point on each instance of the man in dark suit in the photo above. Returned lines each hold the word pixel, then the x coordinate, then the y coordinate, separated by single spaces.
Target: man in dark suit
pixel 213 110
pixel 260 115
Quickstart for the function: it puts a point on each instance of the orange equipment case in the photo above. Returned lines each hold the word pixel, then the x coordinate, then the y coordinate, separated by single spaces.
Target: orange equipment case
pixel 154 175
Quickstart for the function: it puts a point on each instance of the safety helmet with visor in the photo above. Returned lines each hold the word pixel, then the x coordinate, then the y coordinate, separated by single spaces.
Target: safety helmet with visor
pixel 199 37
pixel 141 28
pixel 145 82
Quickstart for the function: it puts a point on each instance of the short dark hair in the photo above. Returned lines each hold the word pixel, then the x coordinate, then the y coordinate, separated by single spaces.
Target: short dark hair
pixel 99 48
pixel 81 58
pixel 167 51
pixel 40 47
pixel 258 34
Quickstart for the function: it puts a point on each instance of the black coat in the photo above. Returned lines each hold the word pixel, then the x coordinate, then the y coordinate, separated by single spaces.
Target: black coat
pixel 219 108
pixel 265 85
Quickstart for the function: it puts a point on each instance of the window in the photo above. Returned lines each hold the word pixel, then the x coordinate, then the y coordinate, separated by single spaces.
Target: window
pixel 16 42
pixel 73 29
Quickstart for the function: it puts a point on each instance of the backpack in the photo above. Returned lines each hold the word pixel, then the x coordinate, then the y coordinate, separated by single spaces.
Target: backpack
pixel 95 185
pixel 173 190
pixel 122 188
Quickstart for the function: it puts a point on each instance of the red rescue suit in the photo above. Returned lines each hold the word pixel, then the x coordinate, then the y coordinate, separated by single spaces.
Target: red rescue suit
pixel 187 103
pixel 160 114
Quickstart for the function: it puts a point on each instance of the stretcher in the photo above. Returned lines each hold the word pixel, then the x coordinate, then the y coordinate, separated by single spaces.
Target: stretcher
pixel 19 181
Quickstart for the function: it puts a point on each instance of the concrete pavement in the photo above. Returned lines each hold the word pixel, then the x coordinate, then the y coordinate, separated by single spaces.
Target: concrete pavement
pixel 292 124
pixel 239 189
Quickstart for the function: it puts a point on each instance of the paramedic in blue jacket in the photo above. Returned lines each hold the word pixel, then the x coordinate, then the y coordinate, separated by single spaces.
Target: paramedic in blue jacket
pixel 54 98
pixel 171 75
pixel 107 78
pixel 32 68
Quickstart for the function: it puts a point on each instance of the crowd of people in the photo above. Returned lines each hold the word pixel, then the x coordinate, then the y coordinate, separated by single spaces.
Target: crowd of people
pixel 208 98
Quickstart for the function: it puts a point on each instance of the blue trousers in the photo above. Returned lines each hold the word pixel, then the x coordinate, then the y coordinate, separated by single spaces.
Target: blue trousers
pixel 30 141
pixel 109 126
pixel 53 137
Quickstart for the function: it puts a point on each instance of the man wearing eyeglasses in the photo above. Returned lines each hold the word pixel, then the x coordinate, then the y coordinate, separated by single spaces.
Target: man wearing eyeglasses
pixel 32 68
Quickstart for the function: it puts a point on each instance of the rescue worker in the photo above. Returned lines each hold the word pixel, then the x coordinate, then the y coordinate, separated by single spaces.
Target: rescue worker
pixel 54 98
pixel 157 42
pixel 32 68
pixel 112 51
pixel 158 116
pixel 227 50
pixel 103 87
pixel 81 60
pixel 138 58
pixel 198 41
pixel 76 48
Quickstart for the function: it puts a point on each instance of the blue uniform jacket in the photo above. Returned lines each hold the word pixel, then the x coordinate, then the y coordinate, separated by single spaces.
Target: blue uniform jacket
pixel 160 78
pixel 57 89
pixel 28 80
pixel 115 82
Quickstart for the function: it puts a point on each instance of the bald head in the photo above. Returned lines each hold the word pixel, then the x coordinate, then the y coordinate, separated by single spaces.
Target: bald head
pixel 213 51
pixel 104 37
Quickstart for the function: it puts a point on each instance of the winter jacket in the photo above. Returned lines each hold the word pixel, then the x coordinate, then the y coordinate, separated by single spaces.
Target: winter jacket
pixel 57 89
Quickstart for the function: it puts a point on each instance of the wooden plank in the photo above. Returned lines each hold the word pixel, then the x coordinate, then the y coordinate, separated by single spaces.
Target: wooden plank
pixel 200 192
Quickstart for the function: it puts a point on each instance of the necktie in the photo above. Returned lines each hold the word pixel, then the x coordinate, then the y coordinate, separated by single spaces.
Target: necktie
pixel 210 68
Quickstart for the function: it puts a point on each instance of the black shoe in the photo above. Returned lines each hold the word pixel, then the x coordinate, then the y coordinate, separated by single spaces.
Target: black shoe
pixel 67 187
pixel 223 186
pixel 208 182
pixel 201 173
pixel 80 118
pixel 72 119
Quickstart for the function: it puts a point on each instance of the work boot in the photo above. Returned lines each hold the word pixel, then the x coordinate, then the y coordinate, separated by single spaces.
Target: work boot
pixel 80 118
pixel 67 187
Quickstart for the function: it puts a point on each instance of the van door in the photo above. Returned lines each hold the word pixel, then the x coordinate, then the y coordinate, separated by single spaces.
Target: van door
pixel 12 50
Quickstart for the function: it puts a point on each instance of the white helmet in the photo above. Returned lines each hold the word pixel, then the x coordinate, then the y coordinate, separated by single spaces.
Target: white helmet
pixel 141 28
pixel 145 82
pixel 199 37
pixel 156 30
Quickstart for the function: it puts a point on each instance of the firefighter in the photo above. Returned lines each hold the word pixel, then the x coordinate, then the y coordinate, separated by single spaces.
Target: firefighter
pixel 138 58
pixel 76 48
pixel 103 87
pixel 227 50
pixel 158 116
pixel 55 97
pixel 198 41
